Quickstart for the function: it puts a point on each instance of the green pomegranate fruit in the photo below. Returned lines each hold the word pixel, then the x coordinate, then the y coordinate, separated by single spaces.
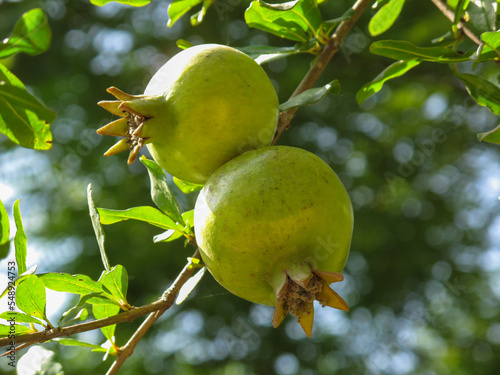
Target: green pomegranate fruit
pixel 274 227
pixel 205 106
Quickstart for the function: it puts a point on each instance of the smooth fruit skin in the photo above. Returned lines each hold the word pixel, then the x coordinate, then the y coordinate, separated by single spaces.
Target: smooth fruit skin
pixel 269 215
pixel 205 106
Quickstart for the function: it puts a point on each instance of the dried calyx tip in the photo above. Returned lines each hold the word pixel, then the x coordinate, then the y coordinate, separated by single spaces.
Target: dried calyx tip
pixel 130 125
pixel 297 297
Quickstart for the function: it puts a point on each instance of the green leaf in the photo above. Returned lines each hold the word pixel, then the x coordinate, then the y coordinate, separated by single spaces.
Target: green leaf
pixel 395 70
pixel 330 24
pixel 178 8
pixel 18 281
pixel 183 44
pixel 4 232
pixel 264 54
pixel 31 35
pixel 189 286
pixel 295 20
pixel 19 317
pixel 134 3
pixel 160 193
pixel 96 224
pixel 482 91
pixel 78 312
pixel 73 342
pixel 483 14
pixel 403 50
pixel 148 214
pixel 97 299
pixel 188 217
pixel 311 96
pixel 187 187
pixel 490 48
pixel 30 297
pixel 116 280
pixel 22 117
pixel 76 284
pixel 18 330
pixel 385 17
pixel 459 7
pixel 198 17
pixel 492 136
pixel 168 236
pixel 105 311
pixel 20 240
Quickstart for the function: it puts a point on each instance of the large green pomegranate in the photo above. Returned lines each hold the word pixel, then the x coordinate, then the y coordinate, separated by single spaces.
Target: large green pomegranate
pixel 205 106
pixel 274 227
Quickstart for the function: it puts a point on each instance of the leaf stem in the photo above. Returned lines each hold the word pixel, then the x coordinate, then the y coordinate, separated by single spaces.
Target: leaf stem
pixel 329 50
pixel 451 16
pixel 162 304
pixel 168 298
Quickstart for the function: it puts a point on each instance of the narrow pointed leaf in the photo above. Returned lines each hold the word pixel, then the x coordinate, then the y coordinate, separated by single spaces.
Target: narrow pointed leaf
pixel 31 35
pixel 189 286
pixel 19 280
pixel 183 44
pixel 178 8
pixel 167 236
pixel 23 119
pixel 393 71
pixel 483 14
pixel 134 3
pixel 160 193
pixel 73 342
pixel 490 48
pixel 187 187
pixel 96 224
pixel 20 240
pixel 198 17
pixel 385 17
pixel 116 280
pixel 265 54
pixel 311 96
pixel 403 50
pixel 482 91
pixel 30 297
pixel 77 284
pixel 5 330
pixel 295 20
pixel 20 317
pixel 147 214
pixel 4 232
pixel 492 136
pixel 105 311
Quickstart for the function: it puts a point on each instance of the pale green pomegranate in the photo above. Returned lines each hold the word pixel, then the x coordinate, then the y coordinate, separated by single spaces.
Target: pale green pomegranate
pixel 274 227
pixel 205 106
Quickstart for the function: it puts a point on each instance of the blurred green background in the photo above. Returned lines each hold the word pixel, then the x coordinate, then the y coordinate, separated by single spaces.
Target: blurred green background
pixel 423 277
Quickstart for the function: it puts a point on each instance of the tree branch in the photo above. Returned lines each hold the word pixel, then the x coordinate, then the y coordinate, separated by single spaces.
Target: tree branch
pixel 157 308
pixel 162 304
pixel 329 50
pixel 168 297
pixel 451 16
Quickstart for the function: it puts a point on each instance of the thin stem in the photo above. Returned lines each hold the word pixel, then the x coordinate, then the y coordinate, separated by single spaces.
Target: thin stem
pixel 168 297
pixel 451 16
pixel 157 308
pixel 127 316
pixel 329 50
